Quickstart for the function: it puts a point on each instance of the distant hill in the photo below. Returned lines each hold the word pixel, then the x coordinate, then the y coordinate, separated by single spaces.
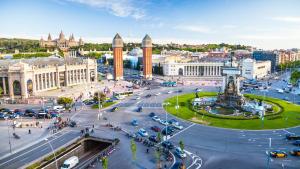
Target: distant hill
pixel 23 45
pixel 29 45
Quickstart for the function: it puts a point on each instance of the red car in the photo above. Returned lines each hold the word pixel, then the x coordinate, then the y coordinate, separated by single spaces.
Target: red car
pixel 155 128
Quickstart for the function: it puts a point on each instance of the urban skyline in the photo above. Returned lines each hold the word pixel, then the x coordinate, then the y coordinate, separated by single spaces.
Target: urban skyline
pixel 264 24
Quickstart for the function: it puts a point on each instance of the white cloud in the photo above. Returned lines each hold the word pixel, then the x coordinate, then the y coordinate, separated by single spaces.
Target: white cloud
pixel 292 19
pixel 229 26
pixel 194 28
pixel 122 8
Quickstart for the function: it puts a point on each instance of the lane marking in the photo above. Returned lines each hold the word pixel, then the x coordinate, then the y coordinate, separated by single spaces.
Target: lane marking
pixel 30 150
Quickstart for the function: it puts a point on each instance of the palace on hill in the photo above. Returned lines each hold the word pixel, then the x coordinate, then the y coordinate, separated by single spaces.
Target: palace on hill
pixel 62 43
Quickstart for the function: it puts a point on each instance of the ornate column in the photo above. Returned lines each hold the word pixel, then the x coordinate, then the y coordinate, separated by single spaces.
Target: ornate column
pixel 24 93
pixel 34 85
pixel 88 76
pixel 10 87
pixel 80 75
pixel 37 82
pixel 4 85
pixel 57 77
pixel 42 81
pixel 52 79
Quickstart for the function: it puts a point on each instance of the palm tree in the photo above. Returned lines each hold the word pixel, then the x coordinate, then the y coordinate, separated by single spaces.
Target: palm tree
pixel 158 155
pixel 104 163
pixel 181 145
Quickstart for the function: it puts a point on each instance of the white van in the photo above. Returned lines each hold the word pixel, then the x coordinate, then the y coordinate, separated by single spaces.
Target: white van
pixel 58 108
pixel 70 163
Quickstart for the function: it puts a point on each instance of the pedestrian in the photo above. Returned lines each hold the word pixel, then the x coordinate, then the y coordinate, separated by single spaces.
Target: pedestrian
pixel 75 109
pixel 92 131
pixel 29 131
pixel 147 150
pixel 93 126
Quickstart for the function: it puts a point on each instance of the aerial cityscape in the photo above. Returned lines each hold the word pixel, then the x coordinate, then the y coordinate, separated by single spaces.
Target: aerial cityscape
pixel 156 84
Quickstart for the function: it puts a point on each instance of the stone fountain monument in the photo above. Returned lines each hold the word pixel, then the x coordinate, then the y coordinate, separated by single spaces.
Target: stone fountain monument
pixel 231 97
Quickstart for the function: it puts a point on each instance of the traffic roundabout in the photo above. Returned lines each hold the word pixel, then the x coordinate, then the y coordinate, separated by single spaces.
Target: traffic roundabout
pixel 282 115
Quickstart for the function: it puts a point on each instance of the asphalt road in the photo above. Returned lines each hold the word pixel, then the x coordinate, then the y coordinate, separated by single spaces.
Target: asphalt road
pixel 34 152
pixel 215 148
pixel 207 147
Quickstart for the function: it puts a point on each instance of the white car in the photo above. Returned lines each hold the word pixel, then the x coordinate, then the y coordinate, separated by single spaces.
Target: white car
pixel 137 98
pixel 198 90
pixel 157 94
pixel 155 118
pixel 280 91
pixel 70 162
pixel 180 153
pixel 177 126
pixel 143 132
pixel 169 92
pixel 163 122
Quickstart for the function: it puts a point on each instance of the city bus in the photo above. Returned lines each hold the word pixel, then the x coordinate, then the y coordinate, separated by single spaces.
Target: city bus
pixel 122 95
pixel 169 84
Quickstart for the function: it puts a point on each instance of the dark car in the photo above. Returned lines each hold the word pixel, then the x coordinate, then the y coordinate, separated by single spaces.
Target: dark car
pixel 178 165
pixel 171 128
pixel 29 113
pixel 5 110
pixel 167 144
pixel 167 132
pixel 179 91
pixel 72 124
pixel 3 116
pixel 152 114
pixel 41 115
pixel 139 109
pixel 114 109
pixel 297 143
pixel 19 112
pixel 154 139
pixel 295 152
pixel 278 154
pixel 292 136
pixel 148 95
pixel 155 128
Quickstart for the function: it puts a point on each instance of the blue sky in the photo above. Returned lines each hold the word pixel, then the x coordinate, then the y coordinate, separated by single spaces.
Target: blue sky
pixel 267 24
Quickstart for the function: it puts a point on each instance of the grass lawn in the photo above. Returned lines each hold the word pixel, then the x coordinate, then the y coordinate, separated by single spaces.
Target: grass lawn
pixel 289 117
pixel 106 104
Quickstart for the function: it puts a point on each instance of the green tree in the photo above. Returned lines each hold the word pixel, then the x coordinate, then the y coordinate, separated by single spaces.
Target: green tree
pixel 181 145
pixel 104 162
pixel 158 157
pixel 133 149
pixel 102 96
pixel 65 101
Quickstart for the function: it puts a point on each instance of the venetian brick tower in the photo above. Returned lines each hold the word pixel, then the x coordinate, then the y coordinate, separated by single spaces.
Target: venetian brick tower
pixel 147 57
pixel 117 46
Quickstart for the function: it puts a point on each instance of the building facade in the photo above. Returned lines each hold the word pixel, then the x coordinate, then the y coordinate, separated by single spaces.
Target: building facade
pixel 28 77
pixel 273 56
pixel 195 69
pixel 62 43
pixel 286 56
pixel 252 69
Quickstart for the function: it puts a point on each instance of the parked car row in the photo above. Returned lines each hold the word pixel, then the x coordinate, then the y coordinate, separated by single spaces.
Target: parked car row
pixel 42 113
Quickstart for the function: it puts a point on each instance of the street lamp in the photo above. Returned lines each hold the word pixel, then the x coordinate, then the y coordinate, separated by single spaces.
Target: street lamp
pixel 166 104
pixel 52 152
pixel 9 141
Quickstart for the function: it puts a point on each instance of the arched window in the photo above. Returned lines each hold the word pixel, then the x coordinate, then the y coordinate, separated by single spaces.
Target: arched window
pixel 17 87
